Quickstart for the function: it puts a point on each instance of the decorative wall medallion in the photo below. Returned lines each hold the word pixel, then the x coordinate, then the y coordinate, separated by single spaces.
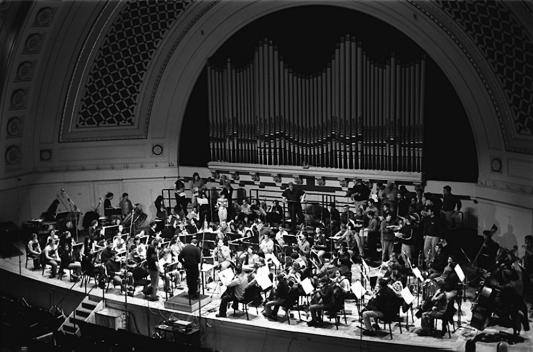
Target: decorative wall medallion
pixel 157 149
pixel 19 99
pixel 14 127
pixel 25 71
pixel 33 44
pixel 44 17
pixel 13 155
pixel 496 165
pixel 45 154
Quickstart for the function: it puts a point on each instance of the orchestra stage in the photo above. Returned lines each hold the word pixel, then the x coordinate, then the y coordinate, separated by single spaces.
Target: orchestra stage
pixel 235 333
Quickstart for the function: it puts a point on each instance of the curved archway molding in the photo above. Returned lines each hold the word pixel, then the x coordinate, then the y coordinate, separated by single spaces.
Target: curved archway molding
pixel 201 36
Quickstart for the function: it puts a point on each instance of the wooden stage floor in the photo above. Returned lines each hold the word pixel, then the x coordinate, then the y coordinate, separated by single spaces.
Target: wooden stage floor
pixel 297 334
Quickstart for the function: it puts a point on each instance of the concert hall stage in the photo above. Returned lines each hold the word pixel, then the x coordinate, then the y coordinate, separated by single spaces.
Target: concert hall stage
pixel 235 333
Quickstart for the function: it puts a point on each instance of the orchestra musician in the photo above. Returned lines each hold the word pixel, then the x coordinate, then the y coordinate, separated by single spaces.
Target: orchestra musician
pixel 34 251
pixel 280 296
pixel 222 205
pixel 234 292
pixel 51 256
pixel 431 309
pixel 321 300
pixel 383 304
pixel 107 204
pixel 125 205
pixel 181 201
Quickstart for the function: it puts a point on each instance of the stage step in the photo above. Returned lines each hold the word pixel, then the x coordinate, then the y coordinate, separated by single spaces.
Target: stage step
pixel 82 313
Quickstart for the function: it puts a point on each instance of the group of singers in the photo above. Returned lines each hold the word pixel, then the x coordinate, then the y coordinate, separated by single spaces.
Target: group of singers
pixel 390 228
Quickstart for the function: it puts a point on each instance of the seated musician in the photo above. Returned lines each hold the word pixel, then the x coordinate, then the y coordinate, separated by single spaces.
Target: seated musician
pixel 51 256
pixel 119 245
pixel 449 277
pixel 346 235
pixel 94 231
pixel 279 235
pixel 432 308
pixel 343 282
pixel 439 262
pixel 53 236
pixel 176 246
pixel 320 244
pixel 68 261
pixel 342 261
pixel 249 259
pixel 327 268
pixel 222 255
pixel 234 292
pixel 281 294
pixel 169 275
pixel 384 304
pixel 266 247
pixel 275 213
pixel 34 251
pixel 509 304
pixel 303 244
pixel 111 263
pixel 138 253
pixel 322 300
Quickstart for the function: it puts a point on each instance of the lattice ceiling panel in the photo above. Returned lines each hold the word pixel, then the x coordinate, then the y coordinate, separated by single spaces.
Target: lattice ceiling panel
pixel 507 47
pixel 117 72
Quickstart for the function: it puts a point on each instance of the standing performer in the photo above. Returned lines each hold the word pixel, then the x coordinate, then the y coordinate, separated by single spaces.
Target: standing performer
pixel 152 262
pixel 190 258
pixel 294 198
pixel 125 205
pixel 222 205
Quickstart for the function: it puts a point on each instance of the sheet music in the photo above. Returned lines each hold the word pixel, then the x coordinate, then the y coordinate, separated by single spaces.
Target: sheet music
pixel 307 286
pixel 418 274
pixel 358 289
pixel 226 276
pixel 407 295
pixel 202 201
pixel 262 277
pixel 460 273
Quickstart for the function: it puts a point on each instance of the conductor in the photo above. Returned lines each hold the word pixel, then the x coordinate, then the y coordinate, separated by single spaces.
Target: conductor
pixel 294 197
pixel 190 258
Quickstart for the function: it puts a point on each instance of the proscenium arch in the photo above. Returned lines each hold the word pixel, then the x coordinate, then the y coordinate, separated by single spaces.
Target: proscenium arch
pixel 206 31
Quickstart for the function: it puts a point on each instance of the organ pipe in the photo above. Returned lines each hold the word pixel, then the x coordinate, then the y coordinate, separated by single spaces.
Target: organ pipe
pixel 356 113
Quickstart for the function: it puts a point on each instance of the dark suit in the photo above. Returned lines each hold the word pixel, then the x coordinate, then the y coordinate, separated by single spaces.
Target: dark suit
pixel 190 257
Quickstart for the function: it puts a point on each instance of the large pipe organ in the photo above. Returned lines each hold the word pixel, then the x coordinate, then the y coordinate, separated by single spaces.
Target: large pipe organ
pixel 356 113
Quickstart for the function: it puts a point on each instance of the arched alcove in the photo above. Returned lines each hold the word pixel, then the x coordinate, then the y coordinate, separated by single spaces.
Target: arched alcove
pixel 308 50
pixel 203 35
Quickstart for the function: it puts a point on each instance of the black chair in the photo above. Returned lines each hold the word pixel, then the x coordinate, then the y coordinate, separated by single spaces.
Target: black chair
pixel 389 320
pixel 292 304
